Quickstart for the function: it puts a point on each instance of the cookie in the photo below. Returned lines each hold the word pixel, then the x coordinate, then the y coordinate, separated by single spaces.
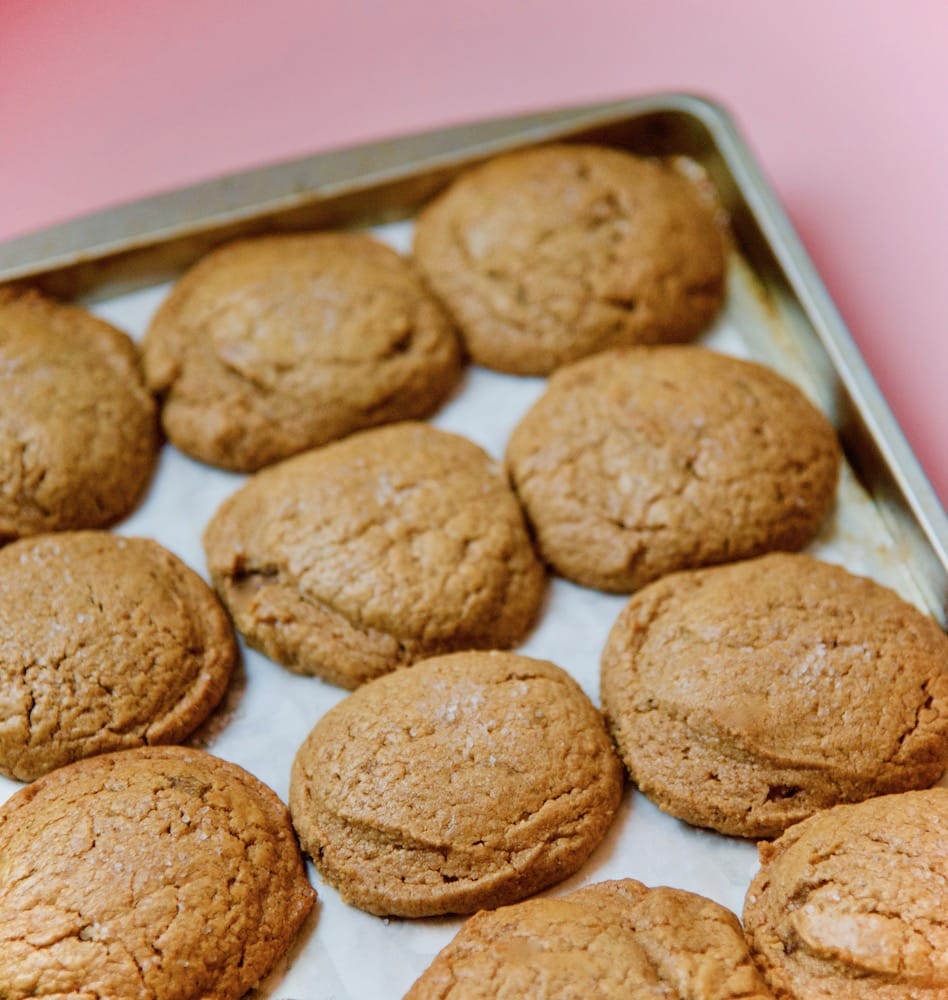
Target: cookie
pixel 469 781
pixel 78 433
pixel 851 904
pixel 271 346
pixel 366 555
pixel 106 643
pixel 642 461
pixel 547 255
pixel 747 697
pixel 158 872
pixel 613 939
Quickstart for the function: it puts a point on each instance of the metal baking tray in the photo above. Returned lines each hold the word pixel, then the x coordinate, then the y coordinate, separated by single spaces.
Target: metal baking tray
pixel 152 240
pixel 888 522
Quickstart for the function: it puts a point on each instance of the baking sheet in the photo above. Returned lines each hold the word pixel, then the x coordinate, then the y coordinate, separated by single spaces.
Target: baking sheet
pixel 268 711
pixel 153 239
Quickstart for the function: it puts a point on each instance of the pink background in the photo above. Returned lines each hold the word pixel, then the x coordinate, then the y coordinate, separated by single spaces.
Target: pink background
pixel 845 101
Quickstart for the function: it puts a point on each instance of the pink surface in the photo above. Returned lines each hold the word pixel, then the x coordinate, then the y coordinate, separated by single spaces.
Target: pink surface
pixel 844 101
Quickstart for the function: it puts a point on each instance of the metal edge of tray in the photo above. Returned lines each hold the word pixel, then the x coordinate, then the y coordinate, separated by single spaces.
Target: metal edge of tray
pixel 163 233
pixel 225 202
pixel 886 462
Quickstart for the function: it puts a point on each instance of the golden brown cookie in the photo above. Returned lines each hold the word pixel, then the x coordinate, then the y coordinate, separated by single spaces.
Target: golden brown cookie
pixel 746 697
pixel 547 255
pixel 106 643
pixel 157 872
pixel 373 552
pixel 852 904
pixel 78 434
pixel 273 345
pixel 469 781
pixel 609 940
pixel 642 461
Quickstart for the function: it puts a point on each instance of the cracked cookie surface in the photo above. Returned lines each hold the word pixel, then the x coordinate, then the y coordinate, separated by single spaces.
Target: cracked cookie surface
pixel 106 643
pixel 273 345
pixel 469 781
pixel 78 432
pixel 852 904
pixel 548 255
pixel 746 697
pixel 370 553
pixel 608 940
pixel 160 873
pixel 642 461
